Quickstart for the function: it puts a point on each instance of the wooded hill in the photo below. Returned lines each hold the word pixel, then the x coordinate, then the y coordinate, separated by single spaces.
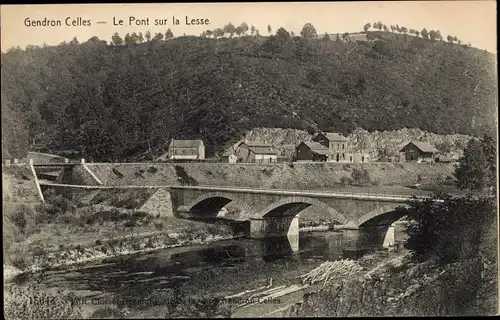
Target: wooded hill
pixel 113 102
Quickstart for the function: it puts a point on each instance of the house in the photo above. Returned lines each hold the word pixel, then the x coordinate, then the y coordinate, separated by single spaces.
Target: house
pixel 255 152
pixel 311 151
pixel 337 144
pixel 358 157
pixel 419 151
pixel 230 157
pixel 186 150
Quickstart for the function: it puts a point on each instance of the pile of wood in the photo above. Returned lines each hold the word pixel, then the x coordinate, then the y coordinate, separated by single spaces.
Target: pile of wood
pixel 332 270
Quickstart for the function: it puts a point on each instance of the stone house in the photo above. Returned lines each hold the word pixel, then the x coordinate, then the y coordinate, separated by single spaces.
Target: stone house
pixel 186 150
pixel 337 144
pixel 419 151
pixel 311 151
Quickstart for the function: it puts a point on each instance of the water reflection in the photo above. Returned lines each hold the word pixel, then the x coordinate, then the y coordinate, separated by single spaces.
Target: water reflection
pixel 170 268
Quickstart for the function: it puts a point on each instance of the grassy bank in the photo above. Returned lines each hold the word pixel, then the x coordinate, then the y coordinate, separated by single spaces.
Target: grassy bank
pixel 62 232
pixel 299 176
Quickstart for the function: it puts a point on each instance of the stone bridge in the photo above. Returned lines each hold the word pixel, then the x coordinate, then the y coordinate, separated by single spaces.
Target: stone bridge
pixel 364 218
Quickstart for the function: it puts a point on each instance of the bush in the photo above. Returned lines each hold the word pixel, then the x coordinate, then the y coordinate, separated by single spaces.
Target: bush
pixel 360 176
pixel 450 230
pixel 345 181
pixel 17 256
pixel 184 177
pixel 152 170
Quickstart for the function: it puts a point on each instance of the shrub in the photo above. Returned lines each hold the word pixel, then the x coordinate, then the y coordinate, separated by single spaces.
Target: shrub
pixel 360 176
pixel 17 255
pixel 345 181
pixel 184 177
pixel 450 230
pixel 152 170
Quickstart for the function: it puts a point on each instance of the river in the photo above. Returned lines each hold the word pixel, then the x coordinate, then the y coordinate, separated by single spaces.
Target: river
pixel 185 280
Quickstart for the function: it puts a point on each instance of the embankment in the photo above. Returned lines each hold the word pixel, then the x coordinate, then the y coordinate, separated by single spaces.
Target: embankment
pixel 18 184
pixel 299 176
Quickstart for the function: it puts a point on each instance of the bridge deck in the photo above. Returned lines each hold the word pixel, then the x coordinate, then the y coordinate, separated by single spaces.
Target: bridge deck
pixel 282 192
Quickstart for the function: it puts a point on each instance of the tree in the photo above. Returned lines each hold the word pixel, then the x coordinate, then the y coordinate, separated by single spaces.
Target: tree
pixel 158 36
pixel 128 39
pixel 337 39
pixel 439 37
pixel 282 35
pixel 230 29
pixel 116 40
pixel 257 33
pixel 450 39
pixel 403 30
pixel 425 33
pixel 308 32
pixel 477 167
pixel 244 28
pixel 269 30
pixel 140 37
pixel 417 33
pixel 74 41
pixel 252 30
pixel 148 36
pixel 169 34
pixel 209 33
pixel 449 230
pixel 135 37
pixel 345 36
pixel 238 31
pixel 432 35
pixel 385 28
pixel 219 32
pixel 367 26
pixel 326 37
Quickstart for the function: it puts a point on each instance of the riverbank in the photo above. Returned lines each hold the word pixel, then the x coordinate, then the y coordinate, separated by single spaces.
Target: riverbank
pixel 60 234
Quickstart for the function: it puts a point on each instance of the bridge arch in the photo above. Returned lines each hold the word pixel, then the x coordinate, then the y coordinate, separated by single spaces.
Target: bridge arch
pixel 211 203
pixel 294 205
pixel 383 215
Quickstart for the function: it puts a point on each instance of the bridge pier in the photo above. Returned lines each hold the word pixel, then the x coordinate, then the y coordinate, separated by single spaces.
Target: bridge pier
pixel 274 227
pixel 366 238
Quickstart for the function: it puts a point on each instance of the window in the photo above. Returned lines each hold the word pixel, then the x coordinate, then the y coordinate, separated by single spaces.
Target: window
pixel 338 145
pixel 343 155
pixel 342 146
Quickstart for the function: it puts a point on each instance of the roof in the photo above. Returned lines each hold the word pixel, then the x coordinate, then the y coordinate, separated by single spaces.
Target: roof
pixel 185 143
pixel 422 146
pixel 332 136
pixel 316 147
pixel 260 148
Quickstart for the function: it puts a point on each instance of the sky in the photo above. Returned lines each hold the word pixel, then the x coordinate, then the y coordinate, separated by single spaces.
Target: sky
pixel 471 21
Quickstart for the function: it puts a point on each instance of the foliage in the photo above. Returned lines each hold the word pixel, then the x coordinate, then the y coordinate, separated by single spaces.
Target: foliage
pixel 360 176
pixel 450 229
pixel 114 101
pixel 184 177
pixel 477 167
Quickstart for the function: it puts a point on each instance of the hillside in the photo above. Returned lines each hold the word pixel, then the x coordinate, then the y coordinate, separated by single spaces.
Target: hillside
pixel 113 102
